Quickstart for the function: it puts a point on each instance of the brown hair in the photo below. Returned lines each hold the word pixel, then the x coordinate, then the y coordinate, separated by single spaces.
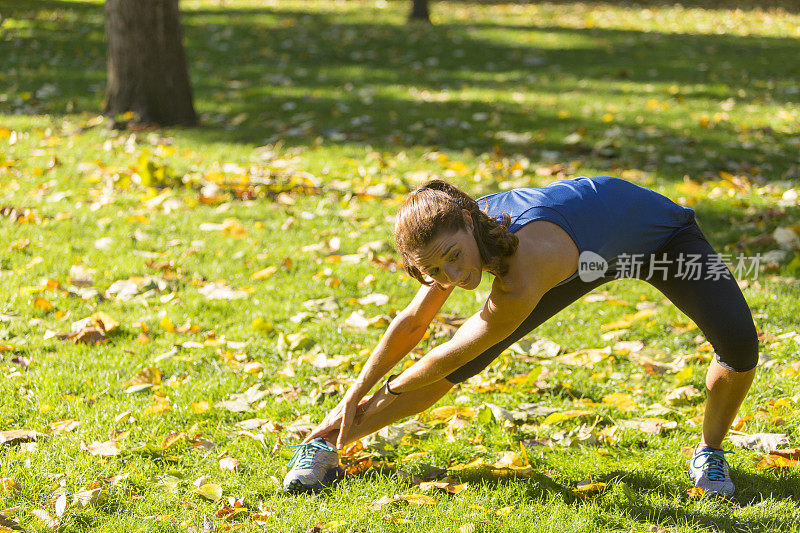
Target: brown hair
pixel 436 207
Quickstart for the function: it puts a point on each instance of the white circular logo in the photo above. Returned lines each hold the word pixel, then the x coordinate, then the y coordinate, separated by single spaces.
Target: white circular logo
pixel 591 266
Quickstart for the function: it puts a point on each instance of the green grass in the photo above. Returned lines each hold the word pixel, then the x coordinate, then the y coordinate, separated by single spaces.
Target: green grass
pixel 492 96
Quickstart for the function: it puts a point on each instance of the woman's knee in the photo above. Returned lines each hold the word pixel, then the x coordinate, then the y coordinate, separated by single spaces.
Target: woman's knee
pixel 739 351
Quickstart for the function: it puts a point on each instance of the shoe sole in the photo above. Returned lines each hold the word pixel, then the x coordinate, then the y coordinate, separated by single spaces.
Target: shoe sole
pixel 712 492
pixel 330 479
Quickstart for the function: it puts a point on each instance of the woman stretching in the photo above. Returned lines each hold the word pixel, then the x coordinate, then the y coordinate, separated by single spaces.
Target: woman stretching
pixel 539 244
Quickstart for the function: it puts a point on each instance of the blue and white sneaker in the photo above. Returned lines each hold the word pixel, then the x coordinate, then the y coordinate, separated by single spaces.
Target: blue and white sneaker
pixel 314 467
pixel 709 471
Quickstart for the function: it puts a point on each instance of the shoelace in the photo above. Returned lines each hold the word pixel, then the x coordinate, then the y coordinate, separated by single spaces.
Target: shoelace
pixel 715 462
pixel 305 454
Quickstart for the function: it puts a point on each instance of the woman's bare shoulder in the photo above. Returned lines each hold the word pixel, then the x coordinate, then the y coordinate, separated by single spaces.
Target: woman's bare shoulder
pixel 546 255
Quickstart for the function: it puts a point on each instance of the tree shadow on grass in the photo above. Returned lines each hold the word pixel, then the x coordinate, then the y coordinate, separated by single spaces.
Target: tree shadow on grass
pixel 263 75
pixel 624 498
pixel 789 6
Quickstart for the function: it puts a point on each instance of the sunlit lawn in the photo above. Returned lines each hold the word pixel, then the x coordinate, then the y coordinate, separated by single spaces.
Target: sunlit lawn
pixel 234 255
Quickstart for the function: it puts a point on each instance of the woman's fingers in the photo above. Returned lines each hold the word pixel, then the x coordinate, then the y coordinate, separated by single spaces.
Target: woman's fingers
pixel 344 427
pixel 340 417
pixel 361 408
pixel 319 431
pixel 329 423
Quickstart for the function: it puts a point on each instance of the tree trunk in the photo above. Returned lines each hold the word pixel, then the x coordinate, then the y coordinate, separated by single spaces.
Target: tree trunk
pixel 146 65
pixel 419 11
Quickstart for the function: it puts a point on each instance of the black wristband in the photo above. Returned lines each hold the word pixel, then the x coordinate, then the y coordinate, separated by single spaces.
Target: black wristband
pixel 390 391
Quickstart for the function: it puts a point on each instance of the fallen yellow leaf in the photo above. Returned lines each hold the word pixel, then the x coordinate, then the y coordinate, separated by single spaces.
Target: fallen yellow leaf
pixel 167 324
pixel 161 404
pixel 695 492
pixel 623 402
pixel 588 488
pixel 417 499
pixel 210 491
pixel 266 273
pixel 200 407
pixel 63 426
pixel 555 418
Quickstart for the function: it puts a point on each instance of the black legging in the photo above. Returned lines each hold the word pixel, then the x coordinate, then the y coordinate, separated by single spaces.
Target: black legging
pixel 717 306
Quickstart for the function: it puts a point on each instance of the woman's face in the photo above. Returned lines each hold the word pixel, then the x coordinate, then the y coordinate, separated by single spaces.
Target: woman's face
pixel 452 259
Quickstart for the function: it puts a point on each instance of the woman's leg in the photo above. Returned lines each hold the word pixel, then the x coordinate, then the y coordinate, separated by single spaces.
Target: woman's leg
pixel 712 299
pixel 725 391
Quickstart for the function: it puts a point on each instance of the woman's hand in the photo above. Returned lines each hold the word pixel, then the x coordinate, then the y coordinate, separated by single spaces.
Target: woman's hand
pixel 349 407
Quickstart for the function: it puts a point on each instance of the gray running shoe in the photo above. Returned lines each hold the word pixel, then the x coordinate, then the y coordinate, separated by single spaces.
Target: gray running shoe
pixel 709 471
pixel 314 467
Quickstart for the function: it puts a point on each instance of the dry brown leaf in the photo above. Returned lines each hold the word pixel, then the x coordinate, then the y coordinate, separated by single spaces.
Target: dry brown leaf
pixel 229 463
pixel 683 395
pixel 19 435
pixel 766 442
pixel 43 304
pixel 448 484
pixel 103 449
pixel 88 496
pixel 8 484
pixel 786 458
pixel 585 358
pixel 788 453
pixel 358 465
pixel 87 335
pixel 63 426
pixel 45 518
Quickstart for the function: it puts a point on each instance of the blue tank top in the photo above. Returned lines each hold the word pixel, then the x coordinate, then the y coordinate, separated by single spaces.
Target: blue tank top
pixel 605 215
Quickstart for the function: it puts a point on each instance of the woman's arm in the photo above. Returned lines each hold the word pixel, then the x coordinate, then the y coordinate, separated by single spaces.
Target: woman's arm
pixel 402 335
pixel 498 318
